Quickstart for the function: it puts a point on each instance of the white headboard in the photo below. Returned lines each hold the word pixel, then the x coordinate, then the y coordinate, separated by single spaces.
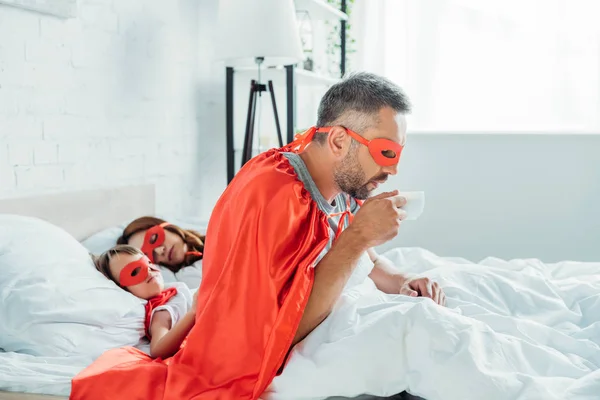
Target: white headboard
pixel 86 212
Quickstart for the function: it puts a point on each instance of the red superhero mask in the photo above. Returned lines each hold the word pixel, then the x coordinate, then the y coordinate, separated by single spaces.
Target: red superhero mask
pixel 385 152
pixel 135 272
pixel 155 237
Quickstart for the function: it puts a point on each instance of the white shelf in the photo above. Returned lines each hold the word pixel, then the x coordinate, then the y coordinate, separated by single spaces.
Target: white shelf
pixel 277 75
pixel 320 10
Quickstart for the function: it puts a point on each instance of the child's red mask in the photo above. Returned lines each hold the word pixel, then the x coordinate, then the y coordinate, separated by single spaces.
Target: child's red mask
pixel 135 272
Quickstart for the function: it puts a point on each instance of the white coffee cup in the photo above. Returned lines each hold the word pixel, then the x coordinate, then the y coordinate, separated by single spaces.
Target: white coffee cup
pixel 415 203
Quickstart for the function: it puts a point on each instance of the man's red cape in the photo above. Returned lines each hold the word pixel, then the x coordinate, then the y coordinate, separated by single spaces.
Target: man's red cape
pixel 263 238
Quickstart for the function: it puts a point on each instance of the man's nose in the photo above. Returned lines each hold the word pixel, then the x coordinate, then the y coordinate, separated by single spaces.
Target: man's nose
pixel 391 170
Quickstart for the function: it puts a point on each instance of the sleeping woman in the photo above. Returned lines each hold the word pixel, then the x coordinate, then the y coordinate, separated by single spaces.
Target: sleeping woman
pixel 170 312
pixel 169 246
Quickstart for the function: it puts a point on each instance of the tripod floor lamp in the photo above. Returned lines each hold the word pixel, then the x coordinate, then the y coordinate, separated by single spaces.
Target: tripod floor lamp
pixel 256 89
pixel 268 36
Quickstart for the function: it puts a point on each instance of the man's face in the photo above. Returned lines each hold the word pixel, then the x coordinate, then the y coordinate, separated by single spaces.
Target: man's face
pixel 358 174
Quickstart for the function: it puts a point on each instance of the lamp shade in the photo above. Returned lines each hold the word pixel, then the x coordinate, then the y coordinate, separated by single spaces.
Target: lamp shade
pixel 257 28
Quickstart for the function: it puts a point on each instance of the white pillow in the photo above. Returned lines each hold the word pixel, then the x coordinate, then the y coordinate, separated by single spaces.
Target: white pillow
pixel 101 241
pixel 107 238
pixel 53 302
pixel 190 275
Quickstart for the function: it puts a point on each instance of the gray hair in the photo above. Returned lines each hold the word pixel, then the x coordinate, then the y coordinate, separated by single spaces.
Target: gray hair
pixel 356 100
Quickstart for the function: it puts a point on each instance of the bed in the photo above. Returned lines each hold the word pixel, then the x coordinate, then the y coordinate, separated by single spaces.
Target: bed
pixel 84 213
pixel 516 329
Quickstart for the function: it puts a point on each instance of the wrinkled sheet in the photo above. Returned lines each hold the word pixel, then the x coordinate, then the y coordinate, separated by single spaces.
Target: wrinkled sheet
pixel 511 330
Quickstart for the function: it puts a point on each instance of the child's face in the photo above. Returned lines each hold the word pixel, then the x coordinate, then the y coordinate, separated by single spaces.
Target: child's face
pixel 150 287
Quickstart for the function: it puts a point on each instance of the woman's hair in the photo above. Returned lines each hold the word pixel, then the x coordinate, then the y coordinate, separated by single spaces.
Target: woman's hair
pixel 102 262
pixel 193 239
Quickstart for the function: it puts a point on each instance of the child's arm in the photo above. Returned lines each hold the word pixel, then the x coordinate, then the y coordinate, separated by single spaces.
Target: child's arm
pixel 165 342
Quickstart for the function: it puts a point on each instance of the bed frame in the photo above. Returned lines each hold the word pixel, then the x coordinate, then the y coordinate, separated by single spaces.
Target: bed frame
pixel 86 212
pixel 81 214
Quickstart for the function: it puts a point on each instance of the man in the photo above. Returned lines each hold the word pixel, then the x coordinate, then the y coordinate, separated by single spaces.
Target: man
pixel 277 257
pixel 276 262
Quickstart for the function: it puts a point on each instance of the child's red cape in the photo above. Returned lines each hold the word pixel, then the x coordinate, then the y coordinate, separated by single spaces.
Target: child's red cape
pixel 263 238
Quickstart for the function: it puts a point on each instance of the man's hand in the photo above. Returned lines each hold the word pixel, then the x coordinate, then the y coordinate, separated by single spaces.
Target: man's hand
pixel 423 287
pixel 378 219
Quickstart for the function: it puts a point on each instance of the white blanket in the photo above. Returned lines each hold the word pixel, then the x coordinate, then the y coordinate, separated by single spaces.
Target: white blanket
pixel 42 375
pixel 511 330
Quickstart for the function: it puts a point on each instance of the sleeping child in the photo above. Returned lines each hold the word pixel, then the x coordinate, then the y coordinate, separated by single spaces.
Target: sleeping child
pixel 169 317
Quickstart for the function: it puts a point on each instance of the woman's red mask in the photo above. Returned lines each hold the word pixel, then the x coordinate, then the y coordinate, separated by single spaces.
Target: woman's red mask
pixel 154 237
pixel 135 272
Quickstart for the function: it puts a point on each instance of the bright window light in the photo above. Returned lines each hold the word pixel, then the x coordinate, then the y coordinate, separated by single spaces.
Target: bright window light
pixel 488 65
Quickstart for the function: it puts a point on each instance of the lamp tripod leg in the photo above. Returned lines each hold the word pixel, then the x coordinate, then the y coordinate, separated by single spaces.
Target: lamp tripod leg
pixel 249 136
pixel 275 114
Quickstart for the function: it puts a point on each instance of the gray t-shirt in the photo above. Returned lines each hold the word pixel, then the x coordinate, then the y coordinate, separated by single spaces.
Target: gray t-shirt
pixel 339 203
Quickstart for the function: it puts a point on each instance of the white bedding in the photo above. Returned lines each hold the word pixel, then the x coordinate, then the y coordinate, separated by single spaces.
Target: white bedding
pixel 42 375
pixel 512 330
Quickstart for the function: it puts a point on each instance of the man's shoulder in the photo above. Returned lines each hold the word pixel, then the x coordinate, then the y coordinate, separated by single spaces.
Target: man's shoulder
pixel 266 179
pixel 274 169
pixel 266 194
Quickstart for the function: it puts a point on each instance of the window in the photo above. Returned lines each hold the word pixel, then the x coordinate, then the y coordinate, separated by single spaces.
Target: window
pixel 487 65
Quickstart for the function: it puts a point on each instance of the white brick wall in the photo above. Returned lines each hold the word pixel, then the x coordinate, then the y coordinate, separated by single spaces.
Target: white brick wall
pixel 45 152
pixel 113 97
pixel 212 163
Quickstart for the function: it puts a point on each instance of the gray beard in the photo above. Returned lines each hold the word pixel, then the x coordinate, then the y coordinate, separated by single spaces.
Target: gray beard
pixel 349 177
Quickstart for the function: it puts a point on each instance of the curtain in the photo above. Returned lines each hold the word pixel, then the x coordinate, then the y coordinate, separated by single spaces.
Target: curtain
pixel 486 65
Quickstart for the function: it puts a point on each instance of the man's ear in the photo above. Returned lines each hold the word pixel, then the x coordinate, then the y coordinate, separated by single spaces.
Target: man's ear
pixel 338 141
